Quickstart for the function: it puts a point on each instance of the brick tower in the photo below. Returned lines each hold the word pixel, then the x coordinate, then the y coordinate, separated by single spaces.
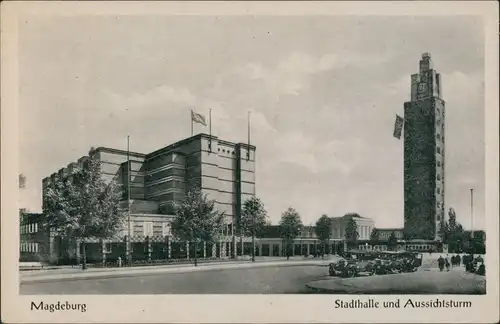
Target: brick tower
pixel 424 154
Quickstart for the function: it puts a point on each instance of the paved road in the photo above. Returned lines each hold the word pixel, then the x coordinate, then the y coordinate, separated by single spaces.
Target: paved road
pixel 265 280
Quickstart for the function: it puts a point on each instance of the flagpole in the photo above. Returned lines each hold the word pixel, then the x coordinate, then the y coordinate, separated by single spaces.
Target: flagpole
pixel 472 221
pixel 248 148
pixel 191 122
pixel 210 129
pixel 129 259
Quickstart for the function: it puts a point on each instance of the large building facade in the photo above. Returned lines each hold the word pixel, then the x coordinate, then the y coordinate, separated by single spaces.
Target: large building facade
pixel 364 226
pixel 223 170
pixel 424 154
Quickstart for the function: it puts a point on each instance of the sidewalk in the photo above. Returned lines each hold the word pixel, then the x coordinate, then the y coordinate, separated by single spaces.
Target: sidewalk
pixel 101 273
pixel 431 281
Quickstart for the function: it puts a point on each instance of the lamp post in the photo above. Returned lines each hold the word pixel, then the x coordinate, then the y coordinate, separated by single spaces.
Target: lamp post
pixel 472 222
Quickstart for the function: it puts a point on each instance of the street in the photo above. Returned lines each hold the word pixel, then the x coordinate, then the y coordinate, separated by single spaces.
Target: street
pixel 270 279
pixel 260 280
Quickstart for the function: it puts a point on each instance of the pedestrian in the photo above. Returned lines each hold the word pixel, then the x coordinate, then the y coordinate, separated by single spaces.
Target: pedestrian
pixel 481 270
pixel 119 262
pixel 441 263
pixel 458 260
pixel 447 263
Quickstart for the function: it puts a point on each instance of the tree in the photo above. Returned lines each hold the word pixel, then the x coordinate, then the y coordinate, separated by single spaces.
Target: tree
pixel 351 232
pixel 392 242
pixel 253 220
pixel 323 230
pixel 290 227
pixel 479 242
pixel 197 220
pixel 374 235
pixel 452 221
pixel 444 231
pixel 454 234
pixel 83 205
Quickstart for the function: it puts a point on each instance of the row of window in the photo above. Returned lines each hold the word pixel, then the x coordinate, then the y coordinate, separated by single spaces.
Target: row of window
pixel 372 248
pixel 151 229
pixel 29 228
pixel 420 247
pixel 226 151
pixel 29 247
pixel 160 229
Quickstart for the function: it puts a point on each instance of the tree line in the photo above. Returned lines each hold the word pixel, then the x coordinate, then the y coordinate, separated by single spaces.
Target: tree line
pixel 83 206
pixel 458 240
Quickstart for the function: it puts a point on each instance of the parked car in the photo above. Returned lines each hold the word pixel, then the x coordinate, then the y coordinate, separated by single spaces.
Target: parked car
pixel 411 261
pixel 381 266
pixel 356 263
pixel 402 261
pixel 338 268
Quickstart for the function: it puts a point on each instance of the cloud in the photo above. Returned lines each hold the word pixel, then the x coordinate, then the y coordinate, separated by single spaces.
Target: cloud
pixel 291 75
pixel 160 95
pixel 302 63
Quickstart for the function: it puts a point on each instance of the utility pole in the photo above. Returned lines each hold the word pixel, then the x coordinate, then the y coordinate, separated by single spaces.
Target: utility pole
pixel 129 243
pixel 472 221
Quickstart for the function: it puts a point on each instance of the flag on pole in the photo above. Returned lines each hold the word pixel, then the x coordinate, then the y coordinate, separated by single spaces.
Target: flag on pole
pixel 198 118
pixel 22 181
pixel 210 129
pixel 248 148
pixel 398 126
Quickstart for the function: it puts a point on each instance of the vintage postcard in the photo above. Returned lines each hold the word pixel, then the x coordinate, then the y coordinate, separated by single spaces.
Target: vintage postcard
pixel 230 162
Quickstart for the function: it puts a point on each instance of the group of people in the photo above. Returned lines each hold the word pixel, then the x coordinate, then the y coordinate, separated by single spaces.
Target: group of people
pixel 456 261
pixel 471 265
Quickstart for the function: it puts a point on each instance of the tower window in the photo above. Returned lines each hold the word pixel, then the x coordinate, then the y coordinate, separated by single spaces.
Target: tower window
pixel 438 177
pixel 438 149
pixel 438 121
pixel 438 136
pixel 438 191
pixel 438 163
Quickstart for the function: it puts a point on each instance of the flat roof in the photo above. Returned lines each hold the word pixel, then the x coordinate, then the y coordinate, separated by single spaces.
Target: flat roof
pixel 192 138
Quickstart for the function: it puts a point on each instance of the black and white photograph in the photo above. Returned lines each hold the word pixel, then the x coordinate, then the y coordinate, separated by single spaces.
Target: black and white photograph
pixel 253 154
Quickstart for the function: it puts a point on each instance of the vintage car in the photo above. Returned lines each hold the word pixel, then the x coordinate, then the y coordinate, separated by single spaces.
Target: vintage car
pixel 382 266
pixel 355 264
pixel 401 261
pixel 411 261
pixel 339 268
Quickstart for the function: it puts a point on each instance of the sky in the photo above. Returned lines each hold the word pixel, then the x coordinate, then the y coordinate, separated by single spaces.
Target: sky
pixel 323 94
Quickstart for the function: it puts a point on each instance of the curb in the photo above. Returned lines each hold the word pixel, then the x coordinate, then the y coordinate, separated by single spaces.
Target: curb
pixel 153 272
